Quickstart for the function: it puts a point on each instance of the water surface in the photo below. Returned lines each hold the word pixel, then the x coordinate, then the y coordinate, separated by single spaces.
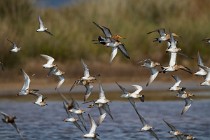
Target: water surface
pixel 47 122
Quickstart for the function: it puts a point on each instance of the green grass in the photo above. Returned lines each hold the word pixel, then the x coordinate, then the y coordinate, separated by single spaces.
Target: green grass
pixel 73 29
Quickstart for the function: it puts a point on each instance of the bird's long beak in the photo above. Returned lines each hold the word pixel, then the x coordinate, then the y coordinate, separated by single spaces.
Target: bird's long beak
pixel 176 35
pixel 120 37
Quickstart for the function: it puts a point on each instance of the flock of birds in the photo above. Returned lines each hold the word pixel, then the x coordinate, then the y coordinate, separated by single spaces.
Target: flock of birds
pixel 73 109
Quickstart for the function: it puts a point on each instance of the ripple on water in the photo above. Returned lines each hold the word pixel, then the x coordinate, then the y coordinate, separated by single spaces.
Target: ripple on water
pixel 47 122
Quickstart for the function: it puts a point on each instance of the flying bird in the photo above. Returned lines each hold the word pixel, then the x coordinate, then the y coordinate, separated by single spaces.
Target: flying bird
pixel 50 61
pixel 126 94
pixel 172 47
pixel 86 81
pixel 176 86
pixel 188 102
pixel 131 97
pixel 163 35
pixel 189 137
pixel 68 104
pixel 71 118
pixel 172 62
pixel 60 74
pixel 187 96
pixel 25 89
pixel 11 120
pixel 42 28
pixel 79 112
pixel 14 48
pixel 102 102
pixel 201 71
pixel 175 132
pixel 92 133
pixel 147 127
pixel 40 101
pixel 207 76
pixel 111 41
pixel 151 65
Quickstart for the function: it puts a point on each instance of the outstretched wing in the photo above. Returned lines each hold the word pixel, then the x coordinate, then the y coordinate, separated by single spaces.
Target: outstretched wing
pixel 154 72
pixel 154 134
pixel 137 87
pixel 161 31
pixel 26 80
pixel 38 95
pixel 11 42
pixel 89 89
pixel 64 98
pixel 177 79
pixel 123 89
pixel 93 125
pixel 82 120
pixel 101 92
pixel 49 59
pixel 200 62
pixel 101 119
pixel 15 126
pixel 46 31
pixel 78 126
pixel 104 29
pixel 107 109
pixel 74 84
pixel 187 105
pixel 61 81
pixel 143 121
pixel 113 54
pixel 75 104
pixel 86 70
pixel 65 106
pixel 123 50
pixel 41 24
pixel 170 125
pixel 4 114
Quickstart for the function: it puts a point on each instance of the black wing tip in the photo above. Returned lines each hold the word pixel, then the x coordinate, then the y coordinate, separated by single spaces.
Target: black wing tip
pixel 48 32
pixel 142 98
pixel 21 70
pixel 96 24
pixel 165 121
pixel 183 88
pixel 111 117
pixel 182 113
pixel 117 83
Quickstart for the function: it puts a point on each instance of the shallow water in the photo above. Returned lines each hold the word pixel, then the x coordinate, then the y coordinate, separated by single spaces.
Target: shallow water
pixel 47 123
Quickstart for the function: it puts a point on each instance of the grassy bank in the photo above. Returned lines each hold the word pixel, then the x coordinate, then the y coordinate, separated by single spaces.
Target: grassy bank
pixel 73 29
pixel 113 96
